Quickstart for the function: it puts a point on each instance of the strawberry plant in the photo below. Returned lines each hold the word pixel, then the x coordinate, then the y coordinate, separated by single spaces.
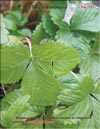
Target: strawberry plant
pixel 50 75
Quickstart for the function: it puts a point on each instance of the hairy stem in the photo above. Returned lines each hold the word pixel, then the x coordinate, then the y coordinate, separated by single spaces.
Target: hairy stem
pixel 3 89
pixel 30 47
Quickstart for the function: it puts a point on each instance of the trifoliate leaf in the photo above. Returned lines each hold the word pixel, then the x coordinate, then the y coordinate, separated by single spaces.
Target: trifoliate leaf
pixel 82 99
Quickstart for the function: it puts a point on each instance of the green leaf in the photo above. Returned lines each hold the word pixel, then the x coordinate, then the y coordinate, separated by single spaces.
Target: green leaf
pixel 57 14
pixel 23 20
pixel 76 93
pixel 9 99
pixel 4 34
pixel 14 60
pixel 86 19
pixel 15 110
pixel 89 36
pixel 67 80
pixel 48 24
pixel 69 38
pixel 91 66
pixel 16 14
pixel 13 39
pixel 74 113
pixel 55 58
pixel 97 88
pixel 10 24
pixel 17 17
pixel 42 87
pixel 11 17
pixel 17 34
pixel 82 104
pixel 92 123
pixel 25 32
pixel 57 122
pixel 39 34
